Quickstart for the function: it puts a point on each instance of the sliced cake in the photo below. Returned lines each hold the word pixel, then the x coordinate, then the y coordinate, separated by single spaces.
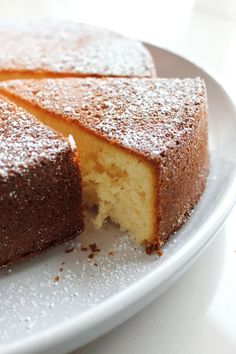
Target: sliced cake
pixel 54 48
pixel 142 144
pixel 40 186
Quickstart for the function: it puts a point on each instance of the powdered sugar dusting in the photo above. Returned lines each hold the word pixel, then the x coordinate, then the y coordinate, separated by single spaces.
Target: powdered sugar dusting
pixel 145 115
pixel 24 140
pixel 30 299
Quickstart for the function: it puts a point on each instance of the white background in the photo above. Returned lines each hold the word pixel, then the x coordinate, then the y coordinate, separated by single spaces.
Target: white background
pixel 198 313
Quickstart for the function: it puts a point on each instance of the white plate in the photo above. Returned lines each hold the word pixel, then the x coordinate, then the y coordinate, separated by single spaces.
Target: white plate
pixel 38 314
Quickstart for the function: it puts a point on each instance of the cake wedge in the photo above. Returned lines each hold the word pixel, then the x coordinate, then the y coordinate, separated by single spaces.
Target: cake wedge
pixel 143 145
pixel 40 186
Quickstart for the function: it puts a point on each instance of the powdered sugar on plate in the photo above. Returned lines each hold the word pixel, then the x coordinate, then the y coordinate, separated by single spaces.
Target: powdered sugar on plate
pixel 44 290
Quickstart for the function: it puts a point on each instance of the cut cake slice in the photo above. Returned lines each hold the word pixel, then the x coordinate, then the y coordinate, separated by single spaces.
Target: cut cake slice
pixel 40 186
pixel 142 144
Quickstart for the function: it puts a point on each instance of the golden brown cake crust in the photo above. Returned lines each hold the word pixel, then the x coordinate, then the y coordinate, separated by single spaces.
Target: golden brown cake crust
pixel 50 47
pixel 163 121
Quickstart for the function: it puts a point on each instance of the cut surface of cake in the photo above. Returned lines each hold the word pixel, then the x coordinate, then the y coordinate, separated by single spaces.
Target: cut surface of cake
pixel 40 186
pixel 36 48
pixel 143 150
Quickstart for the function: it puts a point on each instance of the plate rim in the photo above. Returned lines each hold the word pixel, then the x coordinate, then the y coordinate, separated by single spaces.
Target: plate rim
pixel 61 334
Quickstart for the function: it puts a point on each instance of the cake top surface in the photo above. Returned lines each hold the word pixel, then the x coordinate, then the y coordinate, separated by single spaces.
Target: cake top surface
pixel 144 115
pixel 61 47
pixel 24 141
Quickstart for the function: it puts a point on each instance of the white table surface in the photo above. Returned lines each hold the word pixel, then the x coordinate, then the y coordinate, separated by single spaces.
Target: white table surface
pixel 198 313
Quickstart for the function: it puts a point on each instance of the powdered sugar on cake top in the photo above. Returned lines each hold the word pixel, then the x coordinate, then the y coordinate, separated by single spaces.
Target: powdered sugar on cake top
pixel 144 115
pixel 24 141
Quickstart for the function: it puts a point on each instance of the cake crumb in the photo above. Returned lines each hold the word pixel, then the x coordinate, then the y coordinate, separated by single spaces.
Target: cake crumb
pixel 94 248
pixel 69 250
pixel 91 255
pixel 84 248
pixel 57 278
pixel 152 247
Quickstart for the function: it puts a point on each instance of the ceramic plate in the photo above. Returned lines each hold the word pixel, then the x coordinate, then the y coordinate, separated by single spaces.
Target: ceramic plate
pixel 61 300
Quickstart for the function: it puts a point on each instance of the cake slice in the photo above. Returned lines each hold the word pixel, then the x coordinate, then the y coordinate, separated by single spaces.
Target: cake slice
pixel 40 186
pixel 142 143
pixel 36 48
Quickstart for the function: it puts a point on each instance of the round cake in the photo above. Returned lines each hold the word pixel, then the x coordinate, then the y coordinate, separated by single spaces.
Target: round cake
pixel 137 148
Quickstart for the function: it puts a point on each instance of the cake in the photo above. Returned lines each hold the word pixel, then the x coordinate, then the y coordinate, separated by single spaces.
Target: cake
pixel 39 48
pixel 142 145
pixel 142 153
pixel 40 185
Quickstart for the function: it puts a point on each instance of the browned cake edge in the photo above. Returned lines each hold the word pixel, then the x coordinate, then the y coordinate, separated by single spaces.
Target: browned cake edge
pixel 6 75
pixel 182 175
